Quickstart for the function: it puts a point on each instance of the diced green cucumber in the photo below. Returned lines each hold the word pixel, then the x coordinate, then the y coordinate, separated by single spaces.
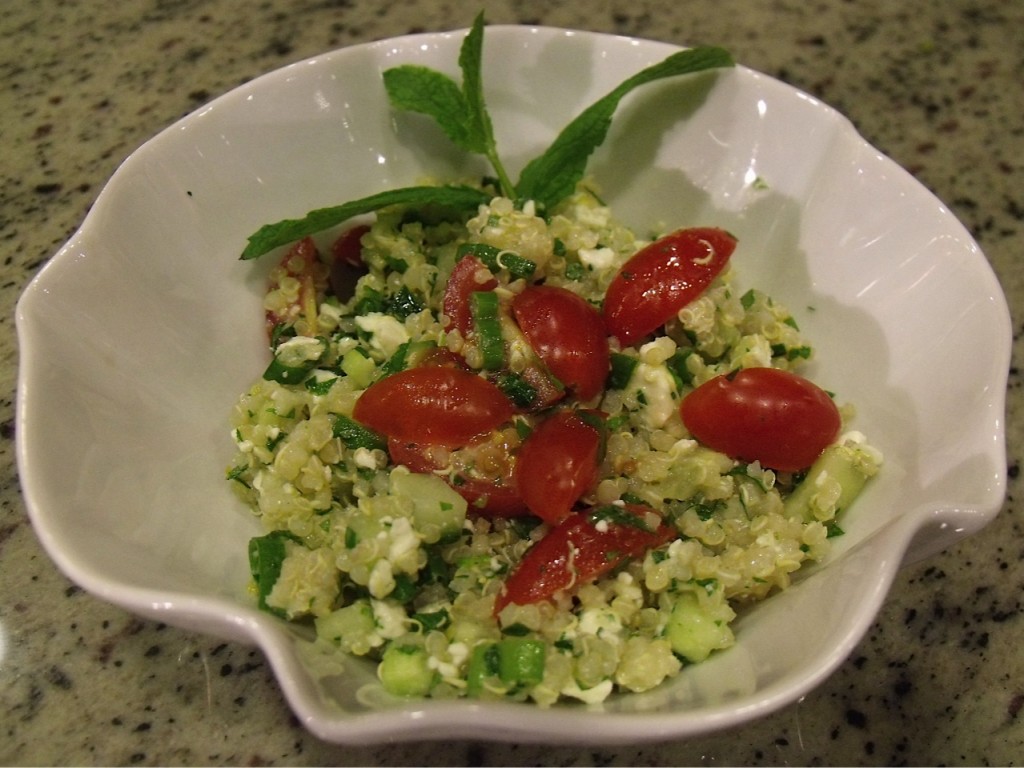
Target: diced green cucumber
pixel 692 633
pixel 346 625
pixel 404 670
pixel 439 512
pixel 506 664
pixel 843 464
pixel 482 672
pixel 521 660
pixel 359 367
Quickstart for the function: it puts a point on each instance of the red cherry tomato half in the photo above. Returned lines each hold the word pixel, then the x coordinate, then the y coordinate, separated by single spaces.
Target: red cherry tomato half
pixel 437 405
pixel 662 278
pixel 568 335
pixel 468 276
pixel 487 498
pixel 557 464
pixel 347 262
pixel 348 248
pixel 763 414
pixel 578 551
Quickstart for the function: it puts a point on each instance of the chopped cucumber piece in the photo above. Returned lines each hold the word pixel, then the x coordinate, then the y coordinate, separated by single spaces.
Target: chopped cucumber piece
pixel 521 660
pixel 506 664
pixel 439 512
pixel 346 626
pixel 359 367
pixel 405 671
pixel 834 480
pixel 483 669
pixel 692 633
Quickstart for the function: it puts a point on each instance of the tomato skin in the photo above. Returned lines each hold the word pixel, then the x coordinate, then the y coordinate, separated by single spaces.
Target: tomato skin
pixel 348 246
pixel 469 275
pixel 548 389
pixel 576 552
pixel 567 333
pixel 347 262
pixel 763 414
pixel 435 405
pixel 486 498
pixel 557 464
pixel 662 278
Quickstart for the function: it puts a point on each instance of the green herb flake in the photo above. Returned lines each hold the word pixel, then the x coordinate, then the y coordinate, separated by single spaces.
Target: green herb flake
pixel 235 473
pixel 517 389
pixel 616 515
pixel 355 435
pixel 266 557
pixel 622 367
pixel 320 388
pixel 432 620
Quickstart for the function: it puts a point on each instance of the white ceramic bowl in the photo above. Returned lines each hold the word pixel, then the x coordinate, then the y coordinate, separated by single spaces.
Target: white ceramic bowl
pixel 137 337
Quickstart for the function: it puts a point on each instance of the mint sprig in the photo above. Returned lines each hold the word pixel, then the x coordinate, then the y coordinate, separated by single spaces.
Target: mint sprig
pixel 270 236
pixel 461 112
pixel 553 176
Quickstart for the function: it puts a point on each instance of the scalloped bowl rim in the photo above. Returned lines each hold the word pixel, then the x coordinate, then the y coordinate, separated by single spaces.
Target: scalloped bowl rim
pixel 723 183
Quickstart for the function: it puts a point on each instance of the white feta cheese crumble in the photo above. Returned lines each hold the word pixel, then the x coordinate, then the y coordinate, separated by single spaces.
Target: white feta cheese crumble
pixel 366 458
pixel 299 350
pixel 382 579
pixel 389 618
pixel 601 622
pixel 658 388
pixel 387 334
pixel 597 258
pixel 594 695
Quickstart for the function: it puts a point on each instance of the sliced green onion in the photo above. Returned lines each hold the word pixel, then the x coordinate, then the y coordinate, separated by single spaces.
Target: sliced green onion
pixel 484 307
pixel 496 259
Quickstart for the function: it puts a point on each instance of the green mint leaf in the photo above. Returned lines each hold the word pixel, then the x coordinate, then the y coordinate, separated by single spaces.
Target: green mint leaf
pixel 470 62
pixel 460 112
pixel 553 176
pixel 271 236
pixel 420 89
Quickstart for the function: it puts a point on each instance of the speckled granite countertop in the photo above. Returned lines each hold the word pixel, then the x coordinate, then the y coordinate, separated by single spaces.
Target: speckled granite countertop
pixel 936 85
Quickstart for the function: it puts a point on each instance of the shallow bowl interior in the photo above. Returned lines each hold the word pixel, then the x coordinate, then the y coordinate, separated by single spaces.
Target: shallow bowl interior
pixel 138 336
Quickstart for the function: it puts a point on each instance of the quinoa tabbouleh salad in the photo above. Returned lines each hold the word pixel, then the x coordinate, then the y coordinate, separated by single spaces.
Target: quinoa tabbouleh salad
pixel 507 447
